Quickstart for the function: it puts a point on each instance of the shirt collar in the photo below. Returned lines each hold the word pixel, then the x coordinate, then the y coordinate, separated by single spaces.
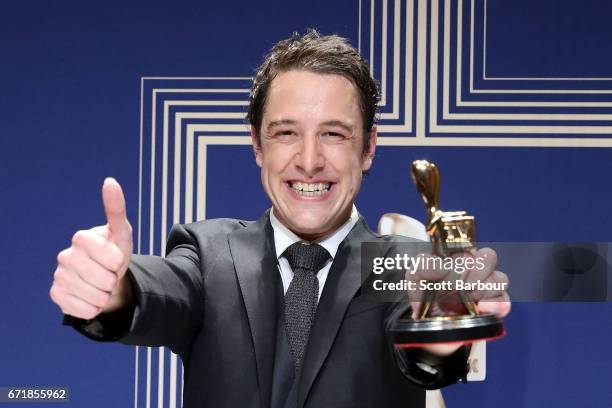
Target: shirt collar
pixel 284 237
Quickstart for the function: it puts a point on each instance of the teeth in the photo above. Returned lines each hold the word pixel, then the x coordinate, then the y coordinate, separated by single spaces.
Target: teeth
pixel 310 189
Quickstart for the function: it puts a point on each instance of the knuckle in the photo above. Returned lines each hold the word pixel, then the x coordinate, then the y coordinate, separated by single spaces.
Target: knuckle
pixel 78 237
pixel 63 256
pixel 56 296
pixel 59 275
pixel 53 293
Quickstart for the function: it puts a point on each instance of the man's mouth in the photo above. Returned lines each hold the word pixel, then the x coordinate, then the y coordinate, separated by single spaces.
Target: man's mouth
pixel 309 189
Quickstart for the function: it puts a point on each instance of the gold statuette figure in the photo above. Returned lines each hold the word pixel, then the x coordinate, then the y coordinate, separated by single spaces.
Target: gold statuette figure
pixel 450 232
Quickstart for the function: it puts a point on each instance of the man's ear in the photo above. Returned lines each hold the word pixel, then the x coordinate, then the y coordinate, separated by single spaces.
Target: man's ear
pixel 256 146
pixel 368 156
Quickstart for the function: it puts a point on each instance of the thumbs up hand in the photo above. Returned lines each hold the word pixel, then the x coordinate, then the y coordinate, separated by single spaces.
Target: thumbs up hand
pixel 90 274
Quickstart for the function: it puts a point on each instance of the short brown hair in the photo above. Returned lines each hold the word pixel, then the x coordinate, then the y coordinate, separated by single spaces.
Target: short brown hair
pixel 313 52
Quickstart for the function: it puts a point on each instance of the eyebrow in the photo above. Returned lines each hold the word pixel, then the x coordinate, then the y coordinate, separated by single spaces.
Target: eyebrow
pixel 280 123
pixel 339 123
pixel 335 123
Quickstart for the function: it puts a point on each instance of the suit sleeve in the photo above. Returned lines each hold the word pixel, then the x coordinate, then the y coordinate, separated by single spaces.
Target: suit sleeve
pixel 168 295
pixel 421 367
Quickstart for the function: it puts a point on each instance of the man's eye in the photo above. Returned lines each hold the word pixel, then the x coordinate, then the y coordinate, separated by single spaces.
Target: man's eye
pixel 334 135
pixel 285 133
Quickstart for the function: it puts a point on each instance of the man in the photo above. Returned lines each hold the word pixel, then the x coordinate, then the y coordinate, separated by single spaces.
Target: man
pixel 258 317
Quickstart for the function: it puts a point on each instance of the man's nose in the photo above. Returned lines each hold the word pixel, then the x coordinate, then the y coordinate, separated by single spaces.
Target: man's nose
pixel 310 158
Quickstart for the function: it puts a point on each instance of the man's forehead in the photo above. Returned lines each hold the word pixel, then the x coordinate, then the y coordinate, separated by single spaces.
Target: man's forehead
pixel 297 95
pixel 289 78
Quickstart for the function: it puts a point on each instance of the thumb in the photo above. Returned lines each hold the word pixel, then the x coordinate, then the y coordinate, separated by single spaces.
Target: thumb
pixel 114 207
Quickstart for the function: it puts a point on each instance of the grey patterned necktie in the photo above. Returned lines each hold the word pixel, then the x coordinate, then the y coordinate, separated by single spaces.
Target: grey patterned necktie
pixel 302 295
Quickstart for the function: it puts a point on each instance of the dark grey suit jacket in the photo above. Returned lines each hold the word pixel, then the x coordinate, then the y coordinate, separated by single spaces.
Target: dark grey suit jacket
pixel 212 300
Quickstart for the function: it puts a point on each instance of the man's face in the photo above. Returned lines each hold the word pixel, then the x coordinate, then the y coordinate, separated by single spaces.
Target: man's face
pixel 311 151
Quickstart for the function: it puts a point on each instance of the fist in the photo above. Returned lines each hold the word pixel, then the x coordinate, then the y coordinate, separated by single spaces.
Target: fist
pixel 89 276
pixel 487 301
pixel 495 301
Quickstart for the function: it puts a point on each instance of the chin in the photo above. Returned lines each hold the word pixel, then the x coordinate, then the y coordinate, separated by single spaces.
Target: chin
pixel 310 228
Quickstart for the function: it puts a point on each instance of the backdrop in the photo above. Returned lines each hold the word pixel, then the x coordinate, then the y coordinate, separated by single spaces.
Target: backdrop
pixel 511 99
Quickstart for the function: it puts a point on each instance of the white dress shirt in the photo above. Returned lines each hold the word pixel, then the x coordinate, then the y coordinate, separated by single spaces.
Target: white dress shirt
pixel 283 238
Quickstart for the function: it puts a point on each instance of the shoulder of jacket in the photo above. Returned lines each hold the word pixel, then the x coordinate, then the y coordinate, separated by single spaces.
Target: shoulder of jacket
pixel 216 226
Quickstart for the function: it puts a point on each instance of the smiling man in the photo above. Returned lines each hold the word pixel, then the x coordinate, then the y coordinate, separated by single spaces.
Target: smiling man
pixel 310 147
pixel 267 313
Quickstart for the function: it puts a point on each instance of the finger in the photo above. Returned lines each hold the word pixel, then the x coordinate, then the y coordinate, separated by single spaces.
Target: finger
pixel 114 208
pixel 74 285
pixel 416 309
pixel 426 268
pixel 429 267
pixel 101 250
pixel 89 270
pixel 489 257
pixel 497 281
pixel 71 305
pixel 499 306
pixel 485 262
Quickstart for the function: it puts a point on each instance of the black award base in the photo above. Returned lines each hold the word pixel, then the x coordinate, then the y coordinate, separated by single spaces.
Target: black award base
pixel 447 329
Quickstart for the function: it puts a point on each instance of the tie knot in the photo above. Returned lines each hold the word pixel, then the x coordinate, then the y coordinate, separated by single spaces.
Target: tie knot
pixel 303 256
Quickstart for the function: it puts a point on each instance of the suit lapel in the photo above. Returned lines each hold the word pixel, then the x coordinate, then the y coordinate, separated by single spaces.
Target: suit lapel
pixel 252 249
pixel 342 284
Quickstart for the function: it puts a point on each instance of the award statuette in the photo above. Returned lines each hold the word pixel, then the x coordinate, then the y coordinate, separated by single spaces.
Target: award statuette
pixel 442 319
